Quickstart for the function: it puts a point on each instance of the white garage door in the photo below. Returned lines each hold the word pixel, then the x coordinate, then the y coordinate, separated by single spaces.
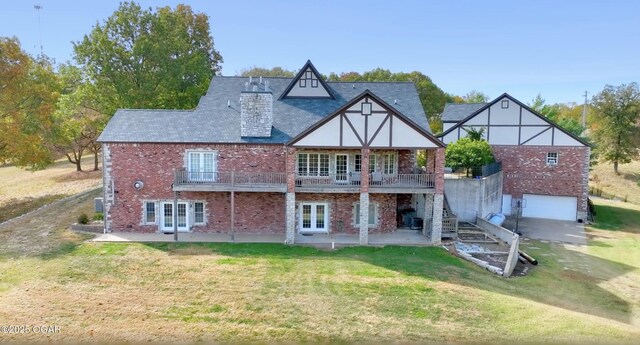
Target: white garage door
pixel 549 206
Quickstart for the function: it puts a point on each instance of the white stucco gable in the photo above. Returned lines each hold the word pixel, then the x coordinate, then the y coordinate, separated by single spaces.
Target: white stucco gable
pixel 506 121
pixel 308 83
pixel 366 121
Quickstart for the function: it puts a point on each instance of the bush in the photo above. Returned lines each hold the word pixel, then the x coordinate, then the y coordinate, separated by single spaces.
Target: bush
pixel 99 216
pixel 83 219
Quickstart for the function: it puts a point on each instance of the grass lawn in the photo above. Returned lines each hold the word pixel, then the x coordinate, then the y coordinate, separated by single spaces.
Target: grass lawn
pixel 22 191
pixel 271 292
pixel 626 185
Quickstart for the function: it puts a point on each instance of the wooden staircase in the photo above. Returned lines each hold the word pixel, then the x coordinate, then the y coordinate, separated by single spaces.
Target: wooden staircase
pixel 471 233
pixel 449 221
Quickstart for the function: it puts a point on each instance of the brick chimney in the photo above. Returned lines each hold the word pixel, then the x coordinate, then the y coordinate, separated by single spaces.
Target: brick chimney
pixel 256 109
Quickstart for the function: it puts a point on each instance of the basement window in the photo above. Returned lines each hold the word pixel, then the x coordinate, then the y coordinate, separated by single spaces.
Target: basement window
pixel 552 158
pixel 373 214
pixel 149 212
pixel 199 213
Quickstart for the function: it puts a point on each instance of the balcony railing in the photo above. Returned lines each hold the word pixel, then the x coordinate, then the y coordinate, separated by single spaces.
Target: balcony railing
pixel 230 180
pixel 375 180
pixel 402 180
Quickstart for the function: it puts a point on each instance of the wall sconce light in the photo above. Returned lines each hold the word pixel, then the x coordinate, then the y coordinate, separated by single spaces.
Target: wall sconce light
pixel 138 185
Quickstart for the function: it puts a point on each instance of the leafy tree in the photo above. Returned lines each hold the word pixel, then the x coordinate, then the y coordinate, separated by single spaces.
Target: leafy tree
pixel 474 134
pixel 140 58
pixel 28 92
pixel 431 96
pixel 617 109
pixel 474 96
pixel 263 72
pixel 468 153
pixel 566 116
pixel 76 122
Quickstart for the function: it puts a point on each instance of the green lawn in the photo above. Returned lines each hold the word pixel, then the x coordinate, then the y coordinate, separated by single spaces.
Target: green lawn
pixel 271 292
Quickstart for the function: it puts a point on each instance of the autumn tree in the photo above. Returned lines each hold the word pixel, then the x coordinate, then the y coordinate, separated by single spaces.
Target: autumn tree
pixel 431 96
pixel 140 58
pixel 28 92
pixel 264 72
pixel 562 114
pixel 617 109
pixel 475 96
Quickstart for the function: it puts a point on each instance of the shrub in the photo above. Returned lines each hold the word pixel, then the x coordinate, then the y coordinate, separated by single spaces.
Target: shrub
pixel 98 216
pixel 83 219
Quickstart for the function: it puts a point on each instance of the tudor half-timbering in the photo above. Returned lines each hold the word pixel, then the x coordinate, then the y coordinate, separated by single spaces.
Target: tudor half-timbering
pixel 544 166
pixel 275 155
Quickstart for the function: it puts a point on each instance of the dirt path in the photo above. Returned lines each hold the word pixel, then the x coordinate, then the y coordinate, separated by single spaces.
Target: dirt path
pixel 46 229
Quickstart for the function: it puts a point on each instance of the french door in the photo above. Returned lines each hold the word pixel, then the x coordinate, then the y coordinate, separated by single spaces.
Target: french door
pixel 342 162
pixel 314 217
pixel 202 166
pixel 166 223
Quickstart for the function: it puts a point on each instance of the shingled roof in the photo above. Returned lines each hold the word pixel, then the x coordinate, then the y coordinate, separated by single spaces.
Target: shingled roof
pixel 456 112
pixel 213 121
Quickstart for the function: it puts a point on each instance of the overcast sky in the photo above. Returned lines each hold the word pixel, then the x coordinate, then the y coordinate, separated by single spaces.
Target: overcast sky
pixel 557 48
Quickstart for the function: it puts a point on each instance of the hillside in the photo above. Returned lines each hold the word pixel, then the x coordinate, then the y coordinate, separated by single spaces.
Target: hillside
pixel 626 186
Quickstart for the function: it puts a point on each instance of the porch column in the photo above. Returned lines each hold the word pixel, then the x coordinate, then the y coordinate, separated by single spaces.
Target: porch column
pixel 364 170
pixel 290 197
pixel 290 212
pixel 436 227
pixel 439 170
pixel 364 219
pixel 428 213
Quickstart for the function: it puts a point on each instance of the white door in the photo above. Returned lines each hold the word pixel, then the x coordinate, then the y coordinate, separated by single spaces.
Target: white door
pixel 342 162
pixel 202 166
pixel 314 217
pixel 166 223
pixel 506 204
pixel 549 206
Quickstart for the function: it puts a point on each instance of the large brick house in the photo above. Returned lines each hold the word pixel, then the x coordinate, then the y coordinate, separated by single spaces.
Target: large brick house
pixel 544 166
pixel 275 155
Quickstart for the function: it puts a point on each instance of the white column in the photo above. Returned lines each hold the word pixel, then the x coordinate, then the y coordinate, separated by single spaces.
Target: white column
pixel 290 211
pixel 364 219
pixel 436 228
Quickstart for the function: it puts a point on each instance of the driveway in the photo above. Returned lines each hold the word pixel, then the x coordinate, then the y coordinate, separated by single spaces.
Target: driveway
pixel 548 229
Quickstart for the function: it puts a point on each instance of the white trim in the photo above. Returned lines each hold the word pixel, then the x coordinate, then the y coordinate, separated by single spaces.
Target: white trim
pixel 313 218
pixel 161 225
pixel 552 161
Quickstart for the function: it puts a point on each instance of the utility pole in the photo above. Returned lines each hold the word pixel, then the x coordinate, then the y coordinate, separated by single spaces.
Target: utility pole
pixel 38 8
pixel 584 113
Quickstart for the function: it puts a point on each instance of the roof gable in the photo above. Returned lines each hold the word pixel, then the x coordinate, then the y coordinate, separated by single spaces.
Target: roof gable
pixel 512 125
pixel 308 83
pixel 366 121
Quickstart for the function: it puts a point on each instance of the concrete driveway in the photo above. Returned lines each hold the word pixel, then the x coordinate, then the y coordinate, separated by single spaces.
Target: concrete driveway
pixel 548 229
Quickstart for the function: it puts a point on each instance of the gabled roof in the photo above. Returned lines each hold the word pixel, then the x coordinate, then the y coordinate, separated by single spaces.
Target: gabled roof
pixel 315 76
pixel 455 112
pixel 381 102
pixel 481 109
pixel 215 122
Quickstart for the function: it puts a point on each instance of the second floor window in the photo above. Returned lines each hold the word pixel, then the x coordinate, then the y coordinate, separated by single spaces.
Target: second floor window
pixel 202 165
pixel 313 164
pixel 372 163
pixel 389 164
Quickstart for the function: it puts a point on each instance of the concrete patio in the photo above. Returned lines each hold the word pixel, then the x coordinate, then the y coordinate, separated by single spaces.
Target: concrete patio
pixel 398 237
pixel 549 230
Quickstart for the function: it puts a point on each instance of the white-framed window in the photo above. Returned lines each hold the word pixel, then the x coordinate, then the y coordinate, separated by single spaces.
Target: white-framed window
pixel 202 165
pixel 149 212
pixel 552 158
pixel 373 214
pixel 314 217
pixel 372 163
pixel 313 164
pixel 198 212
pixel 389 164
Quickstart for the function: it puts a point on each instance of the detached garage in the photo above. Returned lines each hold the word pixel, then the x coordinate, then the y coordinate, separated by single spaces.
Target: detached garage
pixel 550 206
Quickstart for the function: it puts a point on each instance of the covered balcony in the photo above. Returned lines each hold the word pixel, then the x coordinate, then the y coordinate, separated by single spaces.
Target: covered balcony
pixel 378 183
pixel 190 181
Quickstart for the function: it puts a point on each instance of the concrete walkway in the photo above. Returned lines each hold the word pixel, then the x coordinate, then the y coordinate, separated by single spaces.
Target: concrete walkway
pixel 399 237
pixel 549 230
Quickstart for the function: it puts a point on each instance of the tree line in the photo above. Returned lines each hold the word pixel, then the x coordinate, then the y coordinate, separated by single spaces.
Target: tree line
pixel 164 58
